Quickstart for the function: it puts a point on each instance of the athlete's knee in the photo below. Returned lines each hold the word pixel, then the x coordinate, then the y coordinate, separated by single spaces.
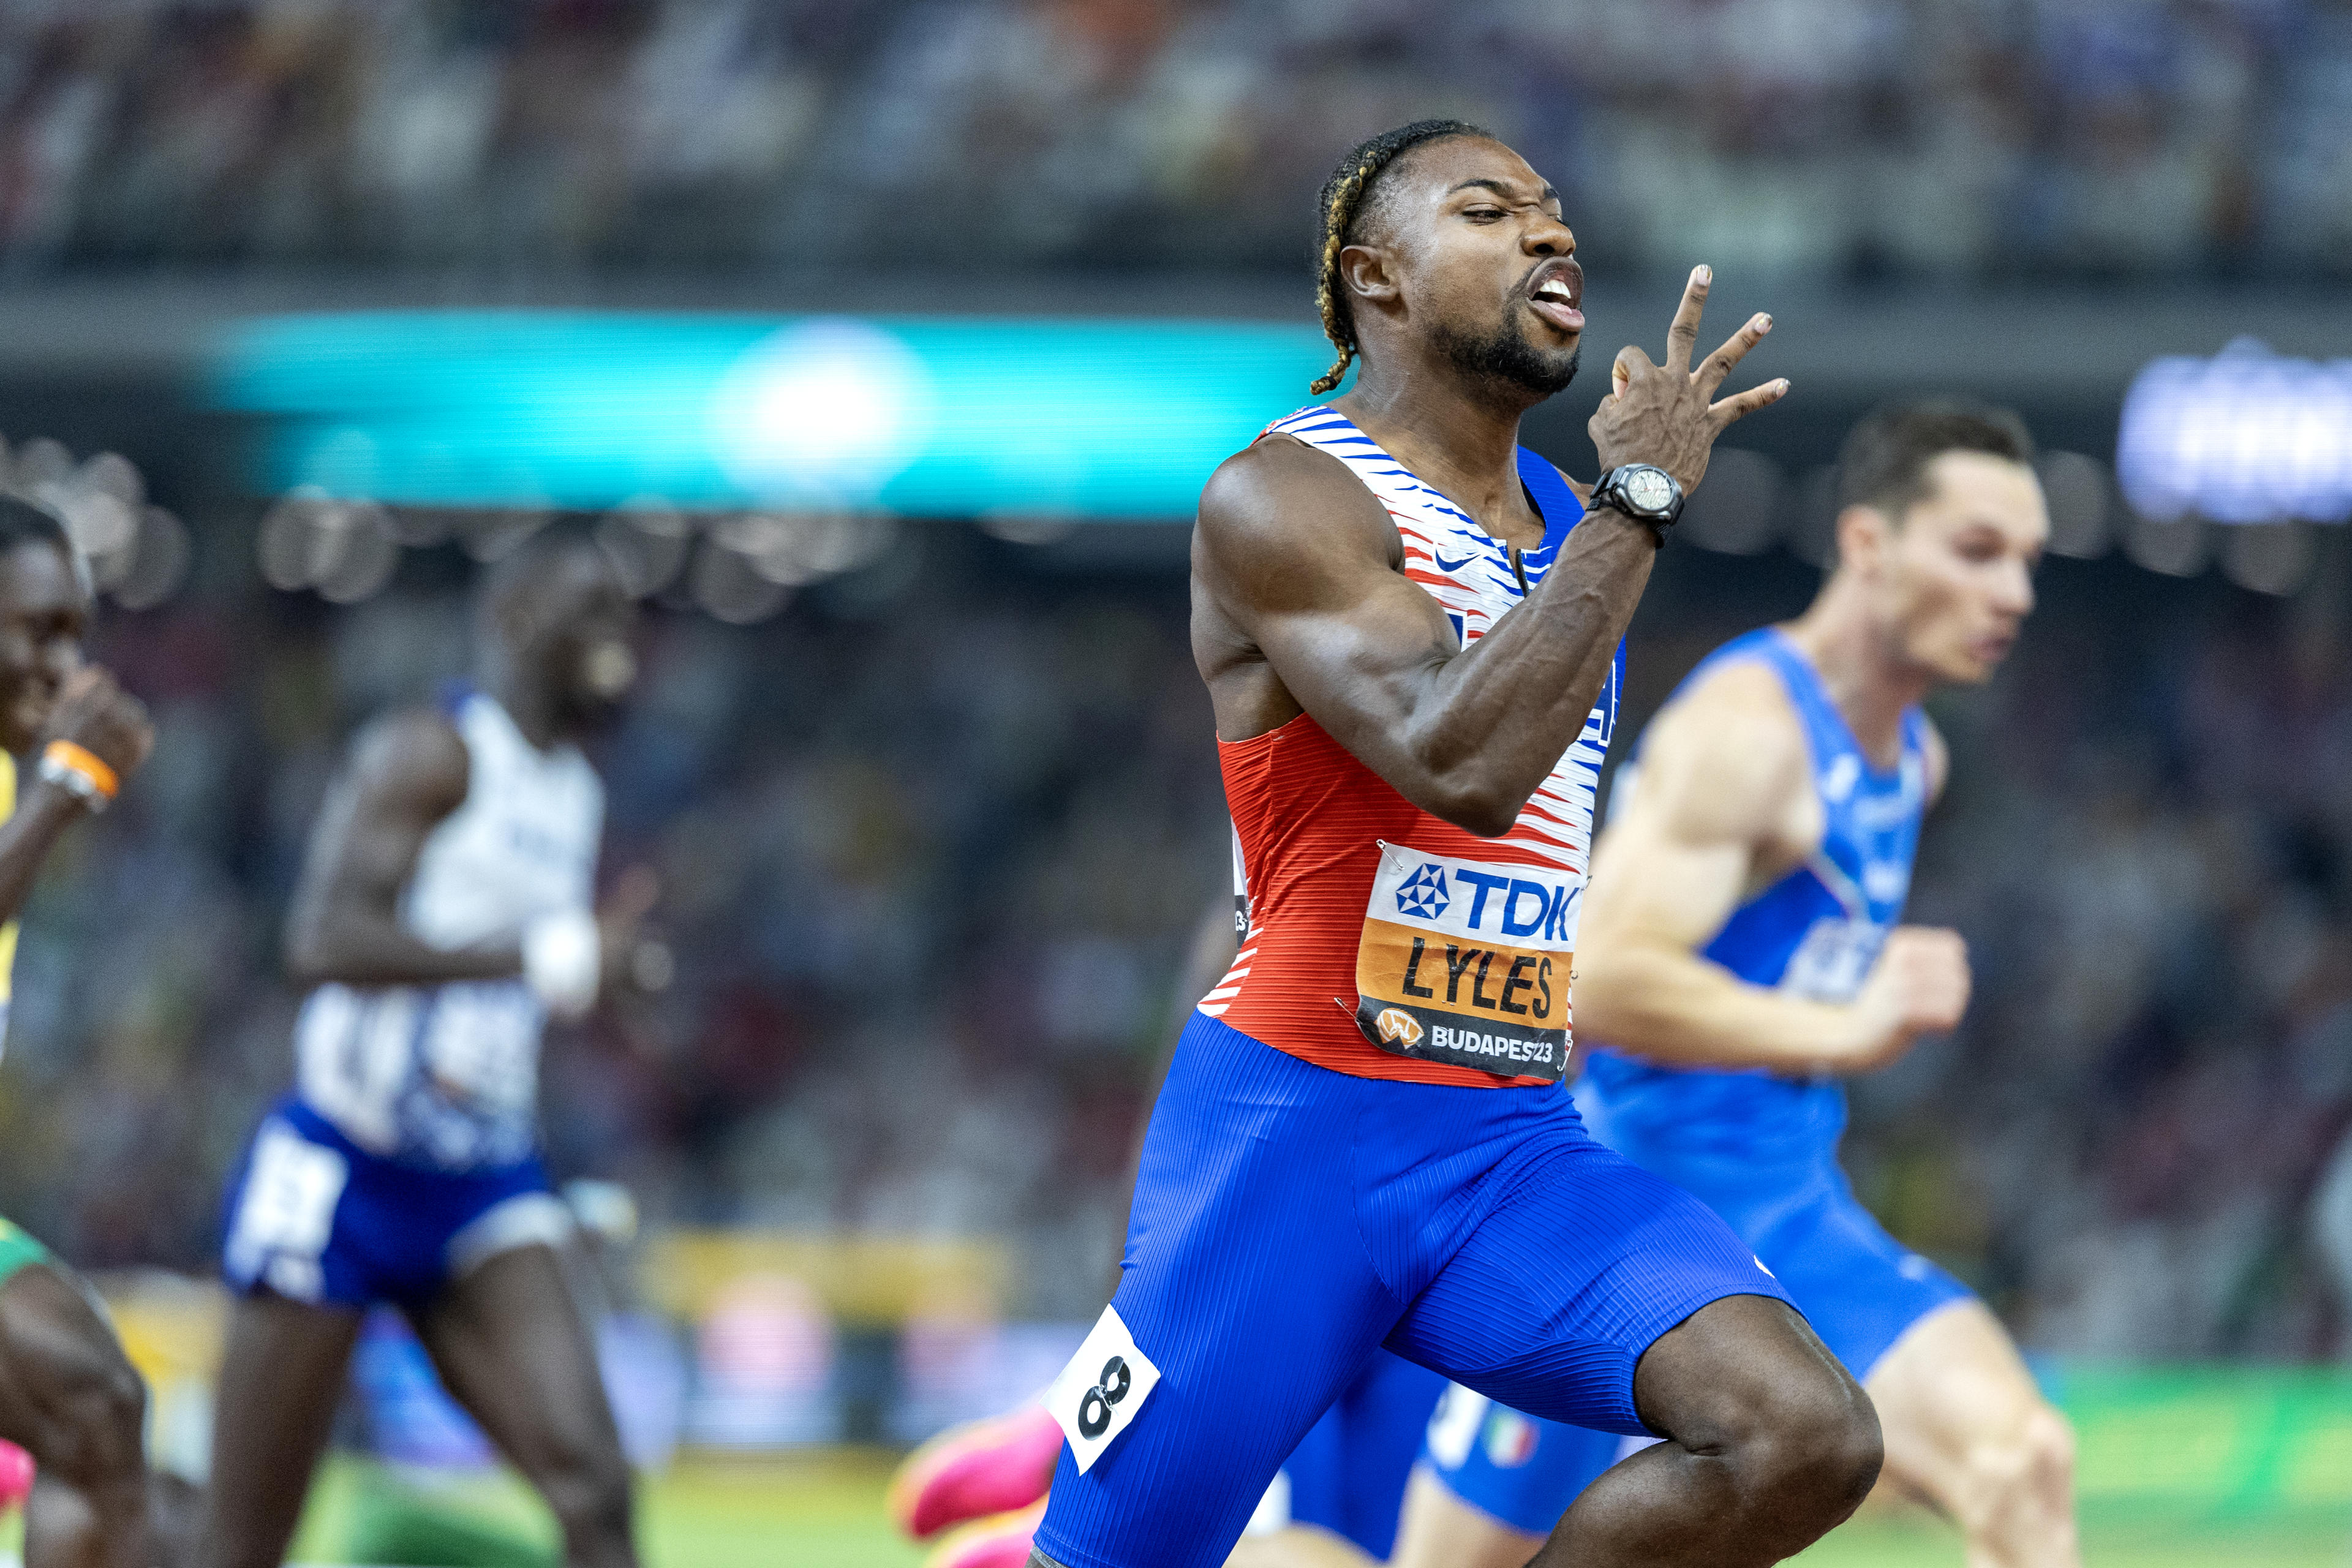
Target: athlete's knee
pixel 589 1490
pixel 1811 1442
pixel 1744 1383
pixel 94 1417
pixel 2050 1445
pixel 2021 1476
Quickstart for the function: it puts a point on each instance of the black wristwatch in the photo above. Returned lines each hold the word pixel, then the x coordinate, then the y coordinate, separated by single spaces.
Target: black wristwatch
pixel 1645 493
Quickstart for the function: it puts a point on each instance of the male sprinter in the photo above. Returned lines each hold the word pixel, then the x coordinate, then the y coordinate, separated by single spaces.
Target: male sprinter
pixel 1363 1139
pixel 1336 1498
pixel 1741 950
pixel 68 1394
pixel 442 915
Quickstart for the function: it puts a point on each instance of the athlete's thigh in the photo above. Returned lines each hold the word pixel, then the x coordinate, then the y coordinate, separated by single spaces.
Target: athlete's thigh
pixel 508 1341
pixel 1860 1289
pixel 281 1378
pixel 1247 1287
pixel 1584 1263
pixel 1952 1385
pixel 1347 1475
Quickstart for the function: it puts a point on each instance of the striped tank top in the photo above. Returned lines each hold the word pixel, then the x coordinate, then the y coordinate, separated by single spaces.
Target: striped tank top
pixel 1378 939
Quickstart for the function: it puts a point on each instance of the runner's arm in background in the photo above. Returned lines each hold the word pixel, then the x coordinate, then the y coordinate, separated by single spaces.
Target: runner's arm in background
pixel 97 715
pixel 1298 562
pixel 1724 806
pixel 408 772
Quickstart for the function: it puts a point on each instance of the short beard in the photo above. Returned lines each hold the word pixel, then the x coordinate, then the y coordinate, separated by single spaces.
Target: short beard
pixel 1504 357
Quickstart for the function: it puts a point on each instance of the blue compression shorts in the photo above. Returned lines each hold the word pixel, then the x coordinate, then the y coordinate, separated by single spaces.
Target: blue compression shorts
pixel 1348 1474
pixel 1858 1287
pixel 1290 1220
pixel 314 1218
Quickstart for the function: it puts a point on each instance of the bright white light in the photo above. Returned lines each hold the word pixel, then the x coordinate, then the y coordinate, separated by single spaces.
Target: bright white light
pixel 826 411
pixel 2247 435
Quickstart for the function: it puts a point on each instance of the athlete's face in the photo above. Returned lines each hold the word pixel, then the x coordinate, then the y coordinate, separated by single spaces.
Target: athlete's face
pixel 43 612
pixel 585 644
pixel 1475 250
pixel 1955 581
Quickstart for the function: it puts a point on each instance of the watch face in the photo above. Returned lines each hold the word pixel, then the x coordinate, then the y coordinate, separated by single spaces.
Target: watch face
pixel 1650 489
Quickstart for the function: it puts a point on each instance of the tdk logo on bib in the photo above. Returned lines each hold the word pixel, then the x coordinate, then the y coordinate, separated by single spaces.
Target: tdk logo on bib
pixel 1423 893
pixel 1467 963
pixel 1097 1395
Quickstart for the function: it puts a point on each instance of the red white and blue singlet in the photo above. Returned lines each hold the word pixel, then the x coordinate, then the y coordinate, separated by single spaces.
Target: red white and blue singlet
pixel 1383 941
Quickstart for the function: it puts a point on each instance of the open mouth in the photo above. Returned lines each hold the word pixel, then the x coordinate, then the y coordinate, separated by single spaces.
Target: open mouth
pixel 1992 649
pixel 1555 293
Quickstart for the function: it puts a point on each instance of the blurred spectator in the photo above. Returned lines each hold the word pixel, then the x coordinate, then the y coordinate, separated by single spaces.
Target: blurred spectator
pixel 1823 136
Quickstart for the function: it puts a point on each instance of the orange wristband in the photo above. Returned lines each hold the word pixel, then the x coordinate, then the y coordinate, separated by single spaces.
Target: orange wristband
pixel 86 763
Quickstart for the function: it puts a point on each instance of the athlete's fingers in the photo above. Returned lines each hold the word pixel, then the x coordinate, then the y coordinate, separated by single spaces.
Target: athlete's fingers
pixel 1719 364
pixel 1629 359
pixel 1740 405
pixel 1682 336
pixel 1620 375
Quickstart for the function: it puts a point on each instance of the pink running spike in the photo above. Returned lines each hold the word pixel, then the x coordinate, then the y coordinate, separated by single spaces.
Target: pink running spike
pixel 16 1475
pixel 979 1468
pixel 1000 1543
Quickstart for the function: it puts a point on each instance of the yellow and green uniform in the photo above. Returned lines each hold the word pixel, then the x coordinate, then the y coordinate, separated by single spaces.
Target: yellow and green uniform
pixel 8 931
pixel 17 1249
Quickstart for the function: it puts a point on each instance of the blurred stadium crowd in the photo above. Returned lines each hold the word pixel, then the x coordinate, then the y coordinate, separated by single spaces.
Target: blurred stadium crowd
pixel 931 847
pixel 935 842
pixel 2066 137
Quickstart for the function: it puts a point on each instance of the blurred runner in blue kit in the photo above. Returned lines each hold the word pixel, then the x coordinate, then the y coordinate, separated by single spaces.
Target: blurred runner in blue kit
pixel 1742 950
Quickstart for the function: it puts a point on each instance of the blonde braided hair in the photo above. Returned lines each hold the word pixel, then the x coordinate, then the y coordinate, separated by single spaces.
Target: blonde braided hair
pixel 1343 204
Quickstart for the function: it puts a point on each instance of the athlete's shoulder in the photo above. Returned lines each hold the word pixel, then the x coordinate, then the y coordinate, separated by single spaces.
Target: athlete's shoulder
pixel 1280 501
pixel 1730 749
pixel 415 756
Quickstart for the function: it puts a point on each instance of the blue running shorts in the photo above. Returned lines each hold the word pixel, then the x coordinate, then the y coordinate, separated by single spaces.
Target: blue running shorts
pixel 314 1218
pixel 1348 1474
pixel 1858 1287
pixel 1512 1468
pixel 1290 1220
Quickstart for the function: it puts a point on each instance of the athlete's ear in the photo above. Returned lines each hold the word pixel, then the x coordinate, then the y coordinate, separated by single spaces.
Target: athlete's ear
pixel 1863 536
pixel 1368 272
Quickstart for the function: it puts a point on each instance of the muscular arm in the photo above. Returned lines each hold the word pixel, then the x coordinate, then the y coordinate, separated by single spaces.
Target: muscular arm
pixel 1720 806
pixel 96 714
pixel 1301 561
pixel 1300 602
pixel 408 773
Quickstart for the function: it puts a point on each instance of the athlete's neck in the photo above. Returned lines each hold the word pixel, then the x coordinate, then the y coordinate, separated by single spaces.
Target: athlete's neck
pixel 1463 446
pixel 529 703
pixel 1861 668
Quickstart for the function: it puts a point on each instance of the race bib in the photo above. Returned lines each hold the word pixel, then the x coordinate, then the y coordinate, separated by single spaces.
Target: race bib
pixel 1097 1395
pixel 1467 964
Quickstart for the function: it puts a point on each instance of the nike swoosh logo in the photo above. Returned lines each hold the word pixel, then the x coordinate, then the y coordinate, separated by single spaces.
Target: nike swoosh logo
pixel 1445 566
